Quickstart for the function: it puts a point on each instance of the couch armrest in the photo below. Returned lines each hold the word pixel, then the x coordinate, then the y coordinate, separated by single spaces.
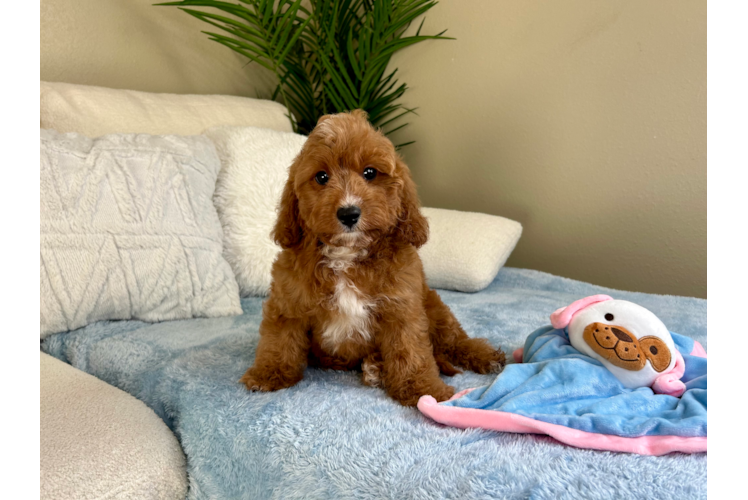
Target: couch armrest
pixel 99 442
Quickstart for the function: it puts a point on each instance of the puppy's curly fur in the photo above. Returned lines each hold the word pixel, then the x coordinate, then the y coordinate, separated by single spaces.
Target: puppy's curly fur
pixel 356 297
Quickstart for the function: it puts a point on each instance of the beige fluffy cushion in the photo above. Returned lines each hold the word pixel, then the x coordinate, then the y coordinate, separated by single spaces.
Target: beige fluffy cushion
pixel 97 441
pixel 254 169
pixel 95 111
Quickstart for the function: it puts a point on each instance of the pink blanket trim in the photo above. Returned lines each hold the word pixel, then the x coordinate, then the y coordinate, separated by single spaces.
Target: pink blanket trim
pixel 511 422
pixel 698 350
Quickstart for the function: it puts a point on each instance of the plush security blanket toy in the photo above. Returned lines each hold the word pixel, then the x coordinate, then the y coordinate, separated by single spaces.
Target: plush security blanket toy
pixel 627 339
pixel 606 374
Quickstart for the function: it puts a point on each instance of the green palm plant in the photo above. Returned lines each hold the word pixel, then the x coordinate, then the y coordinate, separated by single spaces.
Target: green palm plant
pixel 328 55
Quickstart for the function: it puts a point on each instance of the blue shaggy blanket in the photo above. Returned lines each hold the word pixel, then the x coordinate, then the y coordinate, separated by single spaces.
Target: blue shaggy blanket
pixel 332 437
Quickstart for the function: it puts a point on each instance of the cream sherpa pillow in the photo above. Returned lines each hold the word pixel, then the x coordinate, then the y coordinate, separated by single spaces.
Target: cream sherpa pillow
pixel 465 250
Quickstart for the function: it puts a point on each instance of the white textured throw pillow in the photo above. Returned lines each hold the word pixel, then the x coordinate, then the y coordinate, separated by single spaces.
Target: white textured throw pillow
pixel 129 230
pixel 465 250
pixel 95 111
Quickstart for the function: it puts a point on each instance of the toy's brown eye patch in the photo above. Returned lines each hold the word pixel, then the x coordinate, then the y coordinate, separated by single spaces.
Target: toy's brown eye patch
pixel 657 352
pixel 609 317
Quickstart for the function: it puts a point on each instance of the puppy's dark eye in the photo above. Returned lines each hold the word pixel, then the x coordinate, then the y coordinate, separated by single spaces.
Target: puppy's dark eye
pixel 321 177
pixel 369 173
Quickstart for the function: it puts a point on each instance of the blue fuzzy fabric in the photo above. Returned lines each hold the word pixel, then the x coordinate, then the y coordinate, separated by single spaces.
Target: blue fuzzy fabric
pixel 559 385
pixel 331 437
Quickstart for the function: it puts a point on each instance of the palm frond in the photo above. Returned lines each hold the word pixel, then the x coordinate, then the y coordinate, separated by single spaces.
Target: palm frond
pixel 329 56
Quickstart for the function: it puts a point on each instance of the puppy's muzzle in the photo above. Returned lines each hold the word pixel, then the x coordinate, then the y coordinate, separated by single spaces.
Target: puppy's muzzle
pixel 349 216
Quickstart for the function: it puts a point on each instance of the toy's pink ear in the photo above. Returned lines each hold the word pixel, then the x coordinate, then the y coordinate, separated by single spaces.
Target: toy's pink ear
pixel 562 317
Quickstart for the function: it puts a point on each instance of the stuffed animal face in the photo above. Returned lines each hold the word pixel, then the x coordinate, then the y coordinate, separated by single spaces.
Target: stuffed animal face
pixel 626 338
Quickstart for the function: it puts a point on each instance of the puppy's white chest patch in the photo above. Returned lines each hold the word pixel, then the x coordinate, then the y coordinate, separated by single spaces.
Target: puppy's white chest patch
pixel 351 310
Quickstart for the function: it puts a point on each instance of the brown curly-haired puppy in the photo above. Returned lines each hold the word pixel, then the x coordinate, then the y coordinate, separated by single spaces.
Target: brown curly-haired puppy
pixel 348 288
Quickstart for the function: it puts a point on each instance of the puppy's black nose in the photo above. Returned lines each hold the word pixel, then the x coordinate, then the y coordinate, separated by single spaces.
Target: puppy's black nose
pixel 349 215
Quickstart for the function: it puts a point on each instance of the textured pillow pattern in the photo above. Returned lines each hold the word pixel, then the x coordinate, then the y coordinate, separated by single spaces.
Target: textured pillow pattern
pixel 129 231
pixel 465 250
pixel 254 170
pixel 95 111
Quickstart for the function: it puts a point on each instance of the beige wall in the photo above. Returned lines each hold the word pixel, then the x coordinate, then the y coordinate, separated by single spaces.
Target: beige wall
pixel 130 44
pixel 583 120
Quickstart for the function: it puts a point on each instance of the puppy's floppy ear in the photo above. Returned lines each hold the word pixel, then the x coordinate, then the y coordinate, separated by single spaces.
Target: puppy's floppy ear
pixel 411 224
pixel 287 231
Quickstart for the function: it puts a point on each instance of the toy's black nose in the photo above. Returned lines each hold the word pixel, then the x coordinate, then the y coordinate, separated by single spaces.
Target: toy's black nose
pixel 621 336
pixel 349 215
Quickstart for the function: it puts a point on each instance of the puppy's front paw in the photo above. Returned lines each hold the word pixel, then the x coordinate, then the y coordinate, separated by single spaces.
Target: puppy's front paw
pixel 252 383
pixel 257 382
